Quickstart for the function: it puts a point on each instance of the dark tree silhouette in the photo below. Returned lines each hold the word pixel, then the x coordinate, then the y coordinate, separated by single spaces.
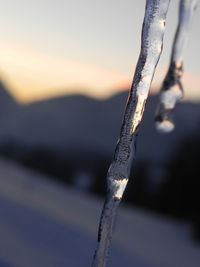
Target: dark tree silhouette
pixel 180 195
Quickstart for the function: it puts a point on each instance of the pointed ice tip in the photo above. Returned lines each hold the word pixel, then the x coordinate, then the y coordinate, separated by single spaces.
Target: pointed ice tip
pixel 165 126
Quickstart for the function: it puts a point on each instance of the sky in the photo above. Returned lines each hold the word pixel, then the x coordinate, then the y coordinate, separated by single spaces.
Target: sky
pixel 55 47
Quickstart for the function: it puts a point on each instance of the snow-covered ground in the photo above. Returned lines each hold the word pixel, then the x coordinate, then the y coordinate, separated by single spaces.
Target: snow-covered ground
pixel 44 224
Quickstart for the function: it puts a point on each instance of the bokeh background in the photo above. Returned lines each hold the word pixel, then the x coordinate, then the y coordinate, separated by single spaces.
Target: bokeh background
pixel 65 70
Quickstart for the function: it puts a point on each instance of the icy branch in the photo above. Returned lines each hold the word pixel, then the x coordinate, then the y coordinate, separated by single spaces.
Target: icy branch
pixel 119 171
pixel 172 89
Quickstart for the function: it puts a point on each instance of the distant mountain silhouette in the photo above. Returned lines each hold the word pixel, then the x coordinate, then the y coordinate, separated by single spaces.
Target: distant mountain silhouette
pixel 8 106
pixel 7 102
pixel 75 124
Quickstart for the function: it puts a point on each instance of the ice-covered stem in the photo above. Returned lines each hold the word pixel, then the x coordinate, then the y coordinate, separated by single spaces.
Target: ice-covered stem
pixel 172 89
pixel 119 171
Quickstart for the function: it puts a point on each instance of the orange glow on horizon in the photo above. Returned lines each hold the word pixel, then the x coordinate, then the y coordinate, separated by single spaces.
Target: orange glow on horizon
pixel 31 76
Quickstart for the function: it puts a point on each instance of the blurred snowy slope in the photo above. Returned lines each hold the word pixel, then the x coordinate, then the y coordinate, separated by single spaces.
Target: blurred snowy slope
pixel 43 223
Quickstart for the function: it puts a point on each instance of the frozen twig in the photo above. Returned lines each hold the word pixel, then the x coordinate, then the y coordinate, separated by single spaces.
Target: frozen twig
pixel 119 171
pixel 172 89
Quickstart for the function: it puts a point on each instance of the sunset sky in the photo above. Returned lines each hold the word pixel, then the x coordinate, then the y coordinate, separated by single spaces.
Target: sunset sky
pixel 50 48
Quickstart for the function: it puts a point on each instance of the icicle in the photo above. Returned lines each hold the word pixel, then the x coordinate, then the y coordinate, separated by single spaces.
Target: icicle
pixel 172 89
pixel 119 171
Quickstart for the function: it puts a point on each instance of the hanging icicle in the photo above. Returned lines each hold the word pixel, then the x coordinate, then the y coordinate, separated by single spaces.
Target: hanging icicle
pixel 172 89
pixel 119 171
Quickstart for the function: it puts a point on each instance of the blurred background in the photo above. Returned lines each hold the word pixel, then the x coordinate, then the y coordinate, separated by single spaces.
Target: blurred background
pixel 65 70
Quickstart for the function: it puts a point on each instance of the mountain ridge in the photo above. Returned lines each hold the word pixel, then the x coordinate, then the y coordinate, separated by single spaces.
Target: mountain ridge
pixel 80 124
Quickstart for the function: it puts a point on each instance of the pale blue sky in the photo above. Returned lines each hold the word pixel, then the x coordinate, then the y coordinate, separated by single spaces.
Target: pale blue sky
pixel 100 33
